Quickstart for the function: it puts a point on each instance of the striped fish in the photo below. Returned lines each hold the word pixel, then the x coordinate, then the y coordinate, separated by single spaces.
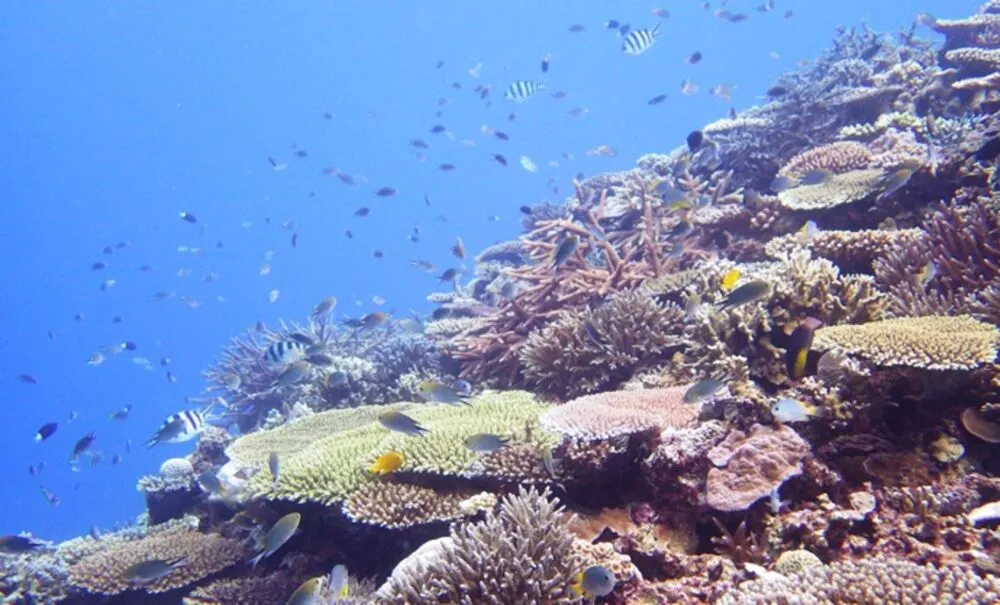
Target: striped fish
pixel 521 90
pixel 285 351
pixel 180 427
pixel 639 41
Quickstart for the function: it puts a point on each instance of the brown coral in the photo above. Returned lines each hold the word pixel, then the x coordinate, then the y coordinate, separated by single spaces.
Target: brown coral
pixel 104 572
pixel 838 190
pixel 599 349
pixel 932 342
pixel 612 414
pixel 852 251
pixel 398 505
pixel 837 157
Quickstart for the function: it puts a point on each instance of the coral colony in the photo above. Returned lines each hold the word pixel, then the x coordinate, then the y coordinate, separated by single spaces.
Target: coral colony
pixel 758 369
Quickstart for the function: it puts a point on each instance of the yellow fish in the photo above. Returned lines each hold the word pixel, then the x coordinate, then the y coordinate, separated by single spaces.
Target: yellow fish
pixel 387 463
pixel 729 279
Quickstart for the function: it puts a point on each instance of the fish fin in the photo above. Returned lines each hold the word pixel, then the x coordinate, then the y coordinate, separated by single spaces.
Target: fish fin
pixel 254 561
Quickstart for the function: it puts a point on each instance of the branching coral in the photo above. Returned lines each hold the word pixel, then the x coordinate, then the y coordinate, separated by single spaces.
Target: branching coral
pixel 599 349
pixel 963 242
pixel 933 342
pixel 521 554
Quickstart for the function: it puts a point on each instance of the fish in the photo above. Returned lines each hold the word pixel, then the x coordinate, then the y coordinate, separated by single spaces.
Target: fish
pixel 787 411
pixel 378 254
pixel 149 571
pixel 187 216
pixel 692 306
pixel 398 421
pixel 388 462
pixel 528 164
pixel 446 167
pixel 564 250
pixel 274 465
pixel 747 293
pixel 308 593
pixel 280 532
pixel 926 273
pixel 275 165
pixel 232 382
pixel 419 143
pixel 694 57
pixel 436 392
pixel 448 275
pixel 336 379
pixel 485 442
pixel 503 136
pixel 82 445
pixel 210 484
pixel 723 91
pixel 576 28
pixel 546 61
pixel 782 183
pixel 180 427
pixel 337 582
pixel 522 90
pixel 459 248
pixel 702 389
pixel 662 13
pixel 49 495
pixel 639 41
pixel 301 338
pixel 296 372
pixel 612 24
pixel 15 545
pixel 526 210
pixel 324 307
pixel 374 319
pixel 820 176
pixel 462 387
pixel 595 581
pixel 729 280
pixel 657 99
pixel 272 296
pixel 776 91
pixel 695 139
pixel 385 192
pixel 285 351
pixel 27 379
pixel 47 430
pixel 121 414
pixel 349 233
pixel 98 266
pixel 624 29
pixel 499 159
pixel 807 232
pixel 799 344
pixel 894 181
pixel 682 228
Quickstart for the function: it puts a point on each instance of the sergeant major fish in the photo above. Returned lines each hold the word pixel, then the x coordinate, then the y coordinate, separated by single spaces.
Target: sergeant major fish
pixel 521 90
pixel 639 41
pixel 180 427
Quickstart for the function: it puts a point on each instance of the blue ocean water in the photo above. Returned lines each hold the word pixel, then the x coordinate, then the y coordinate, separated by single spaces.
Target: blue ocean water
pixel 116 116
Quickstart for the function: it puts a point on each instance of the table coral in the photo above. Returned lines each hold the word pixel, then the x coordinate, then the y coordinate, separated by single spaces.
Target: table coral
pixel 616 413
pixel 932 343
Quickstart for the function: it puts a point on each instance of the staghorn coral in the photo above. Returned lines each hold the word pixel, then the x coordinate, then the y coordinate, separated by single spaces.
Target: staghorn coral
pixel 750 466
pixel 932 342
pixel 872 581
pixel 838 190
pixel 104 572
pixel 599 349
pixel 523 554
pixel 613 414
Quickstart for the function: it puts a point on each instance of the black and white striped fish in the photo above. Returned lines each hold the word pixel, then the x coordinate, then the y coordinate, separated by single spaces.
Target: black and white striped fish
pixel 285 351
pixel 180 427
pixel 522 90
pixel 639 41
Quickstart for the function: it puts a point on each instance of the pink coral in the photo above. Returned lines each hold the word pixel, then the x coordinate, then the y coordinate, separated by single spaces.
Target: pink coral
pixel 615 413
pixel 751 466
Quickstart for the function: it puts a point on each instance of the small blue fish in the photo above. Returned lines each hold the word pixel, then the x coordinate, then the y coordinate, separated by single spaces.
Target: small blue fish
pixel 485 442
pixel 398 421
pixel 787 411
